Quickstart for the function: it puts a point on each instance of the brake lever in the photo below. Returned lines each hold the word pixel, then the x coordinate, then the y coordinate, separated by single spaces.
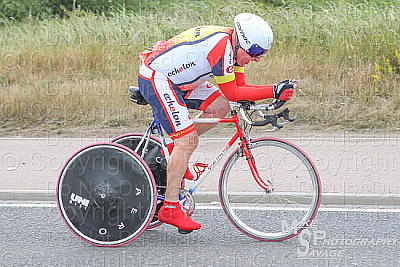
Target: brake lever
pixel 273 119
pixel 285 114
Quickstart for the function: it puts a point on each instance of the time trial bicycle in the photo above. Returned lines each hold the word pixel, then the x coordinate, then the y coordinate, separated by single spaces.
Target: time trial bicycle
pixel 109 193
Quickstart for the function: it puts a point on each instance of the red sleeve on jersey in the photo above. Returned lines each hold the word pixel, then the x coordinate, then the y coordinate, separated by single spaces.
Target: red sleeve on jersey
pixel 237 89
pixel 234 92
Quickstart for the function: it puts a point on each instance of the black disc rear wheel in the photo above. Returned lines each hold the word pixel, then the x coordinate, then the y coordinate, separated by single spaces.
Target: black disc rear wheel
pixel 106 194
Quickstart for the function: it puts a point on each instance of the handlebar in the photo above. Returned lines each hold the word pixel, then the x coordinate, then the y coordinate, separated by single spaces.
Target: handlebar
pixel 251 105
pixel 245 105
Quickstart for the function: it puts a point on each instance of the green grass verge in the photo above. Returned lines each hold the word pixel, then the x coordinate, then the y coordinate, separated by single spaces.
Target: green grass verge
pixel 72 72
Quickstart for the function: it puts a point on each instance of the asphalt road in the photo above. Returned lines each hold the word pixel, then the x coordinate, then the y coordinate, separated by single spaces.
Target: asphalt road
pixel 35 235
pixel 349 164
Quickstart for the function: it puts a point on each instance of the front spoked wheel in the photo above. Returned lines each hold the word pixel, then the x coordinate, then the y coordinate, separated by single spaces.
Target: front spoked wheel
pixel 284 211
pixel 106 194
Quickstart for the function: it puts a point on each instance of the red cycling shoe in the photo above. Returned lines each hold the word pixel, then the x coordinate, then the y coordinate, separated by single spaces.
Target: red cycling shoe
pixel 172 213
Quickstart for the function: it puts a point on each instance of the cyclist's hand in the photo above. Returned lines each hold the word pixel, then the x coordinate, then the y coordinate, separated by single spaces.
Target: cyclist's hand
pixel 284 90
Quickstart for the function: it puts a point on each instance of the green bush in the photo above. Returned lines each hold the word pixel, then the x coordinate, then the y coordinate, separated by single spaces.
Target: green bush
pixel 21 9
pixel 41 9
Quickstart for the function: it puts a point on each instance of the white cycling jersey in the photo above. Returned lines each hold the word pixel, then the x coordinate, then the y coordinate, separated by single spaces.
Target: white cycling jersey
pixel 194 56
pixel 174 76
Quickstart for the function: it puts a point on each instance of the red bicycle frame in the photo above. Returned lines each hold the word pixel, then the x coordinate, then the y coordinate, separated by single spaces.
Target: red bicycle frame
pixel 240 134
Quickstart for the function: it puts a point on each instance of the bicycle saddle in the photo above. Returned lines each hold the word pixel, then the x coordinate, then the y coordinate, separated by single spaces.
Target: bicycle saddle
pixel 136 96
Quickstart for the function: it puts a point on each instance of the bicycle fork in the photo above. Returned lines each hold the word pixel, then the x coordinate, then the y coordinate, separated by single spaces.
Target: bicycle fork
pixel 267 186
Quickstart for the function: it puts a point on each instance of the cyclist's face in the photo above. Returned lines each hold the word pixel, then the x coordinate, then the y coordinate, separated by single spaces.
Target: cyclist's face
pixel 243 58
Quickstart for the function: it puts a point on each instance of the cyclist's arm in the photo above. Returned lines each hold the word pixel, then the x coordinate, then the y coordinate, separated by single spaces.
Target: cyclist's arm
pixel 237 89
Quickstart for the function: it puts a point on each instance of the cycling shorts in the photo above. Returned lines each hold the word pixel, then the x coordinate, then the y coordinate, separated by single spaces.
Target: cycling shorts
pixel 170 103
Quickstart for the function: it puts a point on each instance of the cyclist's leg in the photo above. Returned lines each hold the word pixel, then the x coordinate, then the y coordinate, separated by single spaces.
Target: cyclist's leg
pixel 171 212
pixel 178 163
pixel 188 174
pixel 207 98
pixel 171 111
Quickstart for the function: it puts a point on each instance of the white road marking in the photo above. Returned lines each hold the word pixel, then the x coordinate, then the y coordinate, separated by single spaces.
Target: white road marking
pixel 333 209
pixel 218 207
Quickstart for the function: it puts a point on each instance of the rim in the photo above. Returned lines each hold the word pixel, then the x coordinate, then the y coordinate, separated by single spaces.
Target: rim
pixel 312 206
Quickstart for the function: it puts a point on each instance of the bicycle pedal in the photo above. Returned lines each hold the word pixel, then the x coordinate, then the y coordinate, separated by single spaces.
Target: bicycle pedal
pixel 183 232
pixel 199 168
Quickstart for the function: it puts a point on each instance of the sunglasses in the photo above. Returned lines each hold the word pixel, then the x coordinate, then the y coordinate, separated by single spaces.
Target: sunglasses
pixel 256 51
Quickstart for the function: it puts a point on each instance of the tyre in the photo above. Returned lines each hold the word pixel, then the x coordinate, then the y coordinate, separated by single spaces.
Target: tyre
pixel 106 194
pixel 288 208
pixel 154 159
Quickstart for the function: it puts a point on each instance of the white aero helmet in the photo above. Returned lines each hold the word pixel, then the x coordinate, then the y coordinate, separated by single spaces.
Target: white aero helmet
pixel 254 34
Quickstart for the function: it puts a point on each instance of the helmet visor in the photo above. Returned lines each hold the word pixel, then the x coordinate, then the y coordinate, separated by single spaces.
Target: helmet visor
pixel 256 51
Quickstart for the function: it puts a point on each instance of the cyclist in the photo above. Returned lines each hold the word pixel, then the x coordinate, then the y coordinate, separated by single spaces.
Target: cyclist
pixel 173 78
